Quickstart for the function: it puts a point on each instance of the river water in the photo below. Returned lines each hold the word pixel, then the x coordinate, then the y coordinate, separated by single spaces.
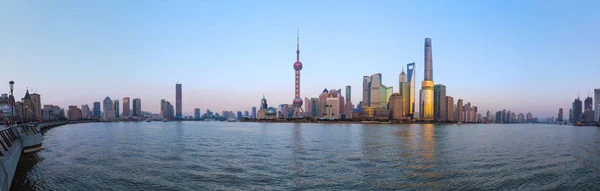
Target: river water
pixel 286 156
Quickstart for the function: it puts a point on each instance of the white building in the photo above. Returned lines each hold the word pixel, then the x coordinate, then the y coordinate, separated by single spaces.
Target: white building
pixel 374 94
pixel 108 113
pixel 332 108
pixel 85 111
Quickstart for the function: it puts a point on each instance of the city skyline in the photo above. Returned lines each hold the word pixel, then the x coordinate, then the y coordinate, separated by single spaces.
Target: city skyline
pixel 474 65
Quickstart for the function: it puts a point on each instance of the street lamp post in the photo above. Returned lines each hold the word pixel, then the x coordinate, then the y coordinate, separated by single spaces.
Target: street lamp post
pixel 12 102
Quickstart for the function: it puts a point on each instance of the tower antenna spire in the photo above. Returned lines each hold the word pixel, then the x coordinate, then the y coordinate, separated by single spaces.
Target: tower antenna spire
pixel 298 45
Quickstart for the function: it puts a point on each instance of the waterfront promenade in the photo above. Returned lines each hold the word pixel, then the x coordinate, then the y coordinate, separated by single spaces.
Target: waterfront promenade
pixel 16 140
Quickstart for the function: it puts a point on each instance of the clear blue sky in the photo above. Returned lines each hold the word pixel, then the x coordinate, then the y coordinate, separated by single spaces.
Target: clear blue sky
pixel 519 55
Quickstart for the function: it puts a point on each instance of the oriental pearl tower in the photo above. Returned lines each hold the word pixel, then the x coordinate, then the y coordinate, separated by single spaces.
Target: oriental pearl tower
pixel 297 67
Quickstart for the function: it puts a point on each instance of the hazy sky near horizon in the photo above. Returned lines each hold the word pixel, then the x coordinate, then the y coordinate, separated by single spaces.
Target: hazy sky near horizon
pixel 524 56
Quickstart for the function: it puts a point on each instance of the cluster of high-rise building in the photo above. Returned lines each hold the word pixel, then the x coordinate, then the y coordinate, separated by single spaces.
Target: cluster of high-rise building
pixel 586 111
pixel 107 110
pixel 331 104
pixel 380 102
pixel 505 116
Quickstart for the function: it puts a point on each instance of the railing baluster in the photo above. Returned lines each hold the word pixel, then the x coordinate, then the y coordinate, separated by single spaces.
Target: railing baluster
pixel 2 142
pixel 6 140
pixel 12 134
pixel 7 135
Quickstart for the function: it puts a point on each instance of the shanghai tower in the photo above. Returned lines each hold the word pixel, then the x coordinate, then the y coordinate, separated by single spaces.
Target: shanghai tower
pixel 427 86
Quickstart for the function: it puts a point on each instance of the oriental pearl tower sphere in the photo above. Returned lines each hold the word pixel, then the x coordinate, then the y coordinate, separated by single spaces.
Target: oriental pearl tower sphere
pixel 297 67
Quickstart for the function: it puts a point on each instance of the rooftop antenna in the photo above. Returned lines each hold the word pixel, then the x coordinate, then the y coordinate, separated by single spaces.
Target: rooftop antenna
pixel 588 93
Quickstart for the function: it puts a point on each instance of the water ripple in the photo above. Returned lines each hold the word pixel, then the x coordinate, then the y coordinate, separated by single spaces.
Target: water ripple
pixel 265 156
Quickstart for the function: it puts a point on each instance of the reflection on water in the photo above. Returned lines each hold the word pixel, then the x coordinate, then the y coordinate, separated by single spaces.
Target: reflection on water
pixel 270 156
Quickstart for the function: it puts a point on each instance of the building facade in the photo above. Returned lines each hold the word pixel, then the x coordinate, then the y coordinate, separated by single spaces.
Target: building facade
pixel 52 112
pixel 577 109
pixel 374 91
pixel 449 108
pixel 560 114
pixel 366 90
pixel 597 105
pixel 36 105
pixel 459 111
pixel 410 71
pixel 404 89
pixel 348 93
pixel 197 113
pixel 439 102
pixel 137 107
pixel 588 113
pixel 97 112
pixel 427 96
pixel 385 94
pixel 178 103
pixel 116 108
pixel 315 106
pixel 74 113
pixel 85 111
pixel 396 107
pixel 126 107
pixel 108 109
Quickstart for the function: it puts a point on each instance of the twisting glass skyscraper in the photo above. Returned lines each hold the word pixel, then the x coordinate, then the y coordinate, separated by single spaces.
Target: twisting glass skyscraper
pixel 410 70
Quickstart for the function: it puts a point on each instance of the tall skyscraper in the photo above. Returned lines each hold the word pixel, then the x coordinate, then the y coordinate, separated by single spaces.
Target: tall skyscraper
pixel 577 110
pixel 427 97
pixel 588 113
pixel 171 111
pixel 137 107
pixel 108 109
pixel 366 90
pixel 560 114
pixel 439 102
pixel 126 107
pixel 374 91
pixel 253 113
pixel 315 106
pixel 197 113
pixel 384 95
pixel 459 111
pixel 178 113
pixel 348 93
pixel 410 71
pixel 404 90
pixel 571 114
pixel 97 112
pixel 116 108
pixel 449 108
pixel 597 105
pixel 263 103
pixel 85 111
pixel 164 109
pixel 297 67
pixel 468 110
